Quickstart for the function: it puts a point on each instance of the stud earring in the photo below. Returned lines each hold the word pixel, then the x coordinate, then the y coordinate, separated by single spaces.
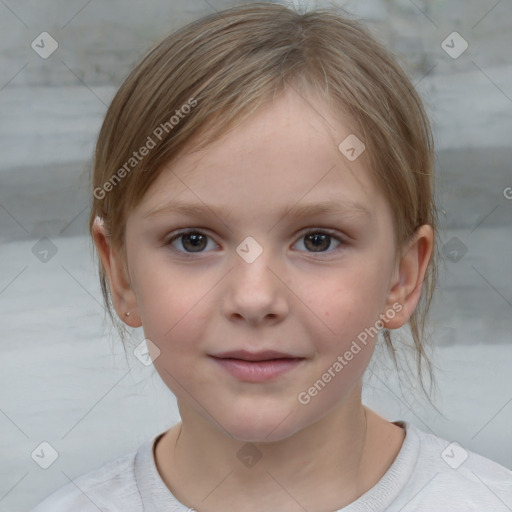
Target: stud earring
pixel 127 313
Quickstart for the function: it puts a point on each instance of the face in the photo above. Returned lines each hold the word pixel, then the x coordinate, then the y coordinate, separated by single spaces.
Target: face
pixel 251 291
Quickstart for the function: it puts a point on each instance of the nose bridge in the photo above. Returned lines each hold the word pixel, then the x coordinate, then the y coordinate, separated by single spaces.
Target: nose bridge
pixel 252 262
pixel 254 290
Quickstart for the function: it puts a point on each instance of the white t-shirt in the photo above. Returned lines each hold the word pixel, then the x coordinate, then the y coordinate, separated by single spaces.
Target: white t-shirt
pixel 428 474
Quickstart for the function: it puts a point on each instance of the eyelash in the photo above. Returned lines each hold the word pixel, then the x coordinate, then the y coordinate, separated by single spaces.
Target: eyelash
pixel 318 231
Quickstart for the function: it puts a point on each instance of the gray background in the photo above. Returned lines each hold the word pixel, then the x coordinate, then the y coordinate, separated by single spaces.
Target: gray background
pixel 64 378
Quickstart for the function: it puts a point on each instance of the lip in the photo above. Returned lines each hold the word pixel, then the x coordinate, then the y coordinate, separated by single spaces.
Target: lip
pixel 256 366
pixel 245 355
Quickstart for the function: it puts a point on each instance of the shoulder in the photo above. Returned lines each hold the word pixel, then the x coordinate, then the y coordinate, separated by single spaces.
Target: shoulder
pixel 449 477
pixel 111 488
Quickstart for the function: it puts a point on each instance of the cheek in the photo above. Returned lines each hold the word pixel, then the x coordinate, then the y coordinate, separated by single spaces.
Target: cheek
pixel 347 301
pixel 171 301
pixel 172 320
pixel 346 329
pixel 345 348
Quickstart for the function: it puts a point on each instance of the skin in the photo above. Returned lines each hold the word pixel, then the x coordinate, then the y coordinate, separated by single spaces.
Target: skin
pixel 317 456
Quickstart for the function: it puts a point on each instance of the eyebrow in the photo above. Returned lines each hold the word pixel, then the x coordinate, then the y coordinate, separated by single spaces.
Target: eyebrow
pixel 297 211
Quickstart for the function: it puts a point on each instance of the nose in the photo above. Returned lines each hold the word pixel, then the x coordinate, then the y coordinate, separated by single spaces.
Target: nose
pixel 256 292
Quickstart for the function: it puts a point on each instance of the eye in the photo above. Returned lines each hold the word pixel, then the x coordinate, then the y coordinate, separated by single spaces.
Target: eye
pixel 319 240
pixel 195 241
pixel 191 241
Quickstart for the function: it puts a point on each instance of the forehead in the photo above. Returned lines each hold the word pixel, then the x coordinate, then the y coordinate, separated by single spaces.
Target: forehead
pixel 285 153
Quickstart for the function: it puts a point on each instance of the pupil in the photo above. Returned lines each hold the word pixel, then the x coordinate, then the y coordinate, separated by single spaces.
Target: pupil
pixel 197 241
pixel 318 240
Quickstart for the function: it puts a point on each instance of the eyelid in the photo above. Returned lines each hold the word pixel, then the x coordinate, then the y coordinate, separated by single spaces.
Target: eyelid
pixel 328 231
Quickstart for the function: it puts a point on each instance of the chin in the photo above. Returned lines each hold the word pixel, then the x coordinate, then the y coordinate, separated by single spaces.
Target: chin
pixel 263 426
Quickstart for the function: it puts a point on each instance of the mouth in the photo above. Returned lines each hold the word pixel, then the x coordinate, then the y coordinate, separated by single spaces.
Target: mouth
pixel 245 355
pixel 256 366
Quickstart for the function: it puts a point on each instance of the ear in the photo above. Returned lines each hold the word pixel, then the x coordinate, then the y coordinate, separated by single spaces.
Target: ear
pixel 124 299
pixel 407 281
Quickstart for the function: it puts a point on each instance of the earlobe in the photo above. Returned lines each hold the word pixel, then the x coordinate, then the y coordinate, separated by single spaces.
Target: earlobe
pixel 408 278
pixel 123 297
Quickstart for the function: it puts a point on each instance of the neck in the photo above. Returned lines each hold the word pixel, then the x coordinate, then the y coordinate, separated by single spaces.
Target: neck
pixel 324 466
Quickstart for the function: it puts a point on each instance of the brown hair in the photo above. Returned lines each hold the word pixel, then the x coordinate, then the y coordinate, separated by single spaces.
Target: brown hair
pixel 216 71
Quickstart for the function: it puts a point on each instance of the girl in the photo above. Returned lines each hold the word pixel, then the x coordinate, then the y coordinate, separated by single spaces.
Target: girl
pixel 263 208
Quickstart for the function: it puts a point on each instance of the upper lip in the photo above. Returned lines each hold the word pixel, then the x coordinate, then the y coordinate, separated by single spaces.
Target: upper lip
pixel 245 355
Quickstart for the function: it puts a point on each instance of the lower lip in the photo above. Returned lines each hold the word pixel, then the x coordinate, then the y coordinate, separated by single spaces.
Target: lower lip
pixel 258 371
